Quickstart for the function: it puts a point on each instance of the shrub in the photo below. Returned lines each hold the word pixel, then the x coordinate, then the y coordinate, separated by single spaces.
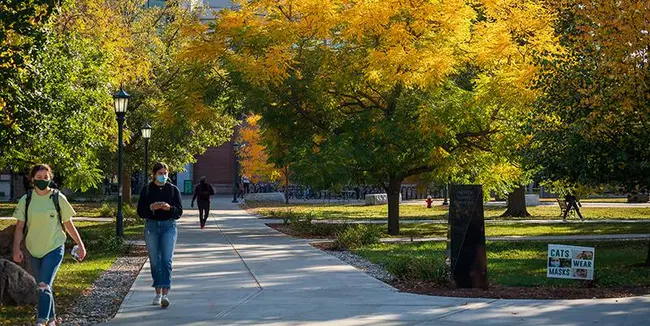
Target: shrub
pixel 130 212
pixel 304 226
pixel 356 236
pixel 97 240
pixel 301 224
pixel 418 268
pixel 108 210
pixel 286 215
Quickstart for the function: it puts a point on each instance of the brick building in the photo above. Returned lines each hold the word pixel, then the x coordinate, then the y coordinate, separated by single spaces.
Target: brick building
pixel 217 163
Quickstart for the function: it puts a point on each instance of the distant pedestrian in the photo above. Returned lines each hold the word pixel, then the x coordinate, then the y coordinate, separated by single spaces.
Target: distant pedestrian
pixel 572 203
pixel 160 204
pixel 202 192
pixel 43 217
pixel 240 188
pixel 247 184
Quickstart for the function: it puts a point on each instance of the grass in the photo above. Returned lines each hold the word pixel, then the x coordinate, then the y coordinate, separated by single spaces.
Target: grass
pixel 620 200
pixel 524 263
pixel 410 212
pixel 82 209
pixel 518 229
pixel 73 278
pixel 423 230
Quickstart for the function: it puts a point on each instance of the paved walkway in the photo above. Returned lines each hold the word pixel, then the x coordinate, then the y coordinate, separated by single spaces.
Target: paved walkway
pixel 240 272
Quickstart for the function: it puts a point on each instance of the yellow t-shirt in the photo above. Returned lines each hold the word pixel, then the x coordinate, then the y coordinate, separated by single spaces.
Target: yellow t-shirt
pixel 44 231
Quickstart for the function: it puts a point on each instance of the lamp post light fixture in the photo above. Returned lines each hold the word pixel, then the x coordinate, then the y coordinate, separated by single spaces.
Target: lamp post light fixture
pixel 121 101
pixel 146 134
pixel 235 182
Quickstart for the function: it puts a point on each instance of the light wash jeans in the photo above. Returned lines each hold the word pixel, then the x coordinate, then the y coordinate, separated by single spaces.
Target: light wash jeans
pixel 160 237
pixel 45 269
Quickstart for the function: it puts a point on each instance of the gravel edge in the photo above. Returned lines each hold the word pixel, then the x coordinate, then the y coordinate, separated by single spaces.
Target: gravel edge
pixel 103 299
pixel 360 263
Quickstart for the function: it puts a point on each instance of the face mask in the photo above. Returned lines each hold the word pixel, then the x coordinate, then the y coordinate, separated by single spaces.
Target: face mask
pixel 42 184
pixel 161 178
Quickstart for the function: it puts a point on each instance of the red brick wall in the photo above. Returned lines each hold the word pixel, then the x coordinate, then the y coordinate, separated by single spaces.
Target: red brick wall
pixel 216 164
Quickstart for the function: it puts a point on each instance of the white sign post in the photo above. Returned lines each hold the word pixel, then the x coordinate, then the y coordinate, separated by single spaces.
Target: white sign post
pixel 570 262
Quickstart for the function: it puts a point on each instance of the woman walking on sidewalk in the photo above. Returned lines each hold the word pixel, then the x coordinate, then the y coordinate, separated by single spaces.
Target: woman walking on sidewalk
pixel 44 216
pixel 160 204
pixel 203 191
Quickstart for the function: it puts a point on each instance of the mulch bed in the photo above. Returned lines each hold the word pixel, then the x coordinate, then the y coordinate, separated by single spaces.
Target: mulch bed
pixel 513 292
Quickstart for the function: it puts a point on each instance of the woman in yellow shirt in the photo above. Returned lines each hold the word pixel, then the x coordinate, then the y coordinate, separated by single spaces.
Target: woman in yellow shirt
pixel 45 236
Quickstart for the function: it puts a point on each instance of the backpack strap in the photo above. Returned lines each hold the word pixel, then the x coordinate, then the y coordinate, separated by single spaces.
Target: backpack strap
pixel 57 205
pixel 28 199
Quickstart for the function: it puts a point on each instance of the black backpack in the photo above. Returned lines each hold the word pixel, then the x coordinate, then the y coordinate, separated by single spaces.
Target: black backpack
pixel 55 198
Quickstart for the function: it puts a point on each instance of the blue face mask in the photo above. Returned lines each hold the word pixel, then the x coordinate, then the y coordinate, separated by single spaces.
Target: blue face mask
pixel 161 178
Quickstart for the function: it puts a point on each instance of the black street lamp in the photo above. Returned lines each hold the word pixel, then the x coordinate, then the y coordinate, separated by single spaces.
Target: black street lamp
pixel 121 99
pixel 146 134
pixel 235 182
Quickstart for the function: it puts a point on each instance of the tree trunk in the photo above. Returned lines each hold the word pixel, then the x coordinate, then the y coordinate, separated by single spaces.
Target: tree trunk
pixel 286 185
pixel 517 203
pixel 393 205
pixel 126 187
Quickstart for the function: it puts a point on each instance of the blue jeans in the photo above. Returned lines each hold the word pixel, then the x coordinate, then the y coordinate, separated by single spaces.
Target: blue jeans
pixel 45 269
pixel 160 237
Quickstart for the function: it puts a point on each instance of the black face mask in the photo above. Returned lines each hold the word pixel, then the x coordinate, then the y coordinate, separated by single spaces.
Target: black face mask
pixel 42 184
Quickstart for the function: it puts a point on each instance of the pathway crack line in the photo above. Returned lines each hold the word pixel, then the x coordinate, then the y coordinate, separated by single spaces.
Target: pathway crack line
pixel 249 297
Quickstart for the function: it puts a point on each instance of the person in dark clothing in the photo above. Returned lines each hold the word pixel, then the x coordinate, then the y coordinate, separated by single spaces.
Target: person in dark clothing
pixel 572 203
pixel 160 204
pixel 203 191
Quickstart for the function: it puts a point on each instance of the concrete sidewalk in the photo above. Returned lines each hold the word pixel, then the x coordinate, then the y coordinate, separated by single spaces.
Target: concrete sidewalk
pixel 240 272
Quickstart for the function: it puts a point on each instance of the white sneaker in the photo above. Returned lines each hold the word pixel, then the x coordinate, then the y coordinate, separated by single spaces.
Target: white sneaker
pixel 156 300
pixel 164 302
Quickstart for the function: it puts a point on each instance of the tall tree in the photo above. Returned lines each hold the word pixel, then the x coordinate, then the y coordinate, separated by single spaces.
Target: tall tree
pixel 186 101
pixel 23 33
pixel 253 154
pixel 381 91
pixel 591 124
pixel 54 93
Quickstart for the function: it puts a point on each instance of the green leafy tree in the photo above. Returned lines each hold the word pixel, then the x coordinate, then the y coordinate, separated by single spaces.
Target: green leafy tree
pixel 591 125
pixel 23 33
pixel 415 87
pixel 187 102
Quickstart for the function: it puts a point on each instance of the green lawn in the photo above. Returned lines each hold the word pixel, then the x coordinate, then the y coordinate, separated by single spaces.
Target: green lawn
pixel 519 263
pixel 422 230
pixel 73 278
pixel 518 229
pixel 338 211
pixel 82 209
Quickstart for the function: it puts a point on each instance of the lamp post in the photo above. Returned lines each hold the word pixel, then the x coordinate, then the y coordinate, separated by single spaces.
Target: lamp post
pixel 146 134
pixel 235 182
pixel 121 99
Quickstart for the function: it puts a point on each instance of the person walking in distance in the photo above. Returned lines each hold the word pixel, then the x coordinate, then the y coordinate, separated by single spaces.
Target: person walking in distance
pixel 247 184
pixel 202 192
pixel 160 205
pixel 572 203
pixel 43 216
